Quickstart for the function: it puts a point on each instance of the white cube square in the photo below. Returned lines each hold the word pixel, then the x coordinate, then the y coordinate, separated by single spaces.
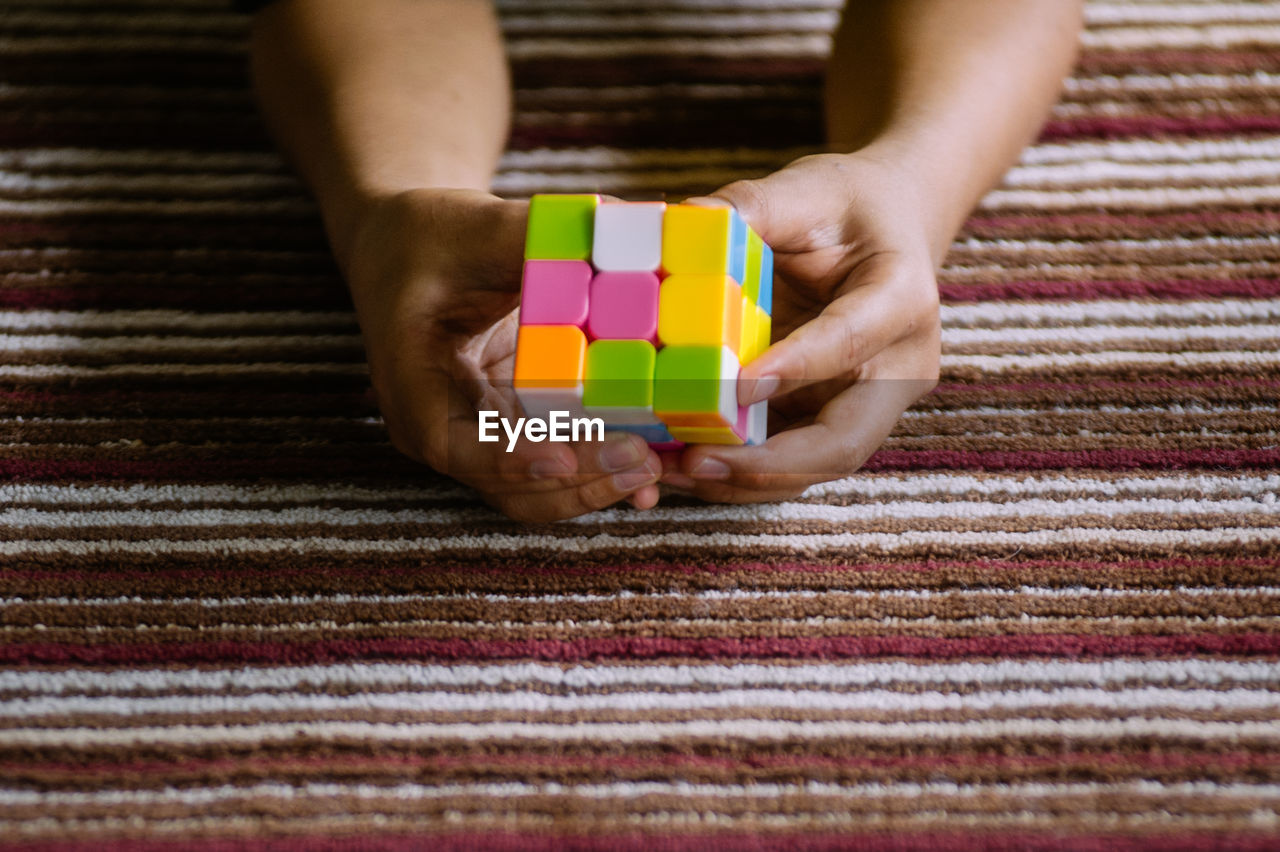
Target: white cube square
pixel 540 402
pixel 757 423
pixel 628 236
pixel 623 415
pixel 729 370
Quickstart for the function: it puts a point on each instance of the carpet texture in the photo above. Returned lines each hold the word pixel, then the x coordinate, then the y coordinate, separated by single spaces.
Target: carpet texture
pixel 1047 616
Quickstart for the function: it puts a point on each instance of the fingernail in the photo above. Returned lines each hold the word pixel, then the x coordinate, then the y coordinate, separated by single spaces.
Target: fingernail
pixel 710 468
pixel 620 454
pixel 633 479
pixel 547 468
pixel 763 388
pixel 707 201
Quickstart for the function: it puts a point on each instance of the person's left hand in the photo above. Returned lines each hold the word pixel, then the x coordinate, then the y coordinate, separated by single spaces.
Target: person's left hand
pixel 855 317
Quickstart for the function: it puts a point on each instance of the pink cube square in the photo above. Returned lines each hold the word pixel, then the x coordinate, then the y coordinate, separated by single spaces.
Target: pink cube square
pixel 624 306
pixel 555 292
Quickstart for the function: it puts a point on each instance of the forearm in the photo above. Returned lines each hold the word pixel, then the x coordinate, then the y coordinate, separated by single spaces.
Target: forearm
pixel 369 100
pixel 953 88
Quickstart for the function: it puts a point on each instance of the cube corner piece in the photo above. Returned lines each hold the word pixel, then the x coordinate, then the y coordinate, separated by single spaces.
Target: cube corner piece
pixel 561 227
pixel 697 240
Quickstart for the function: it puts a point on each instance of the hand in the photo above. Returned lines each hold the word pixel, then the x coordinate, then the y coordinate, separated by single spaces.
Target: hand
pixel 855 315
pixel 435 276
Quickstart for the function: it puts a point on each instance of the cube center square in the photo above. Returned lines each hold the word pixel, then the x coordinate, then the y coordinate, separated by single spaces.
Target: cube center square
pixel 624 305
pixel 641 314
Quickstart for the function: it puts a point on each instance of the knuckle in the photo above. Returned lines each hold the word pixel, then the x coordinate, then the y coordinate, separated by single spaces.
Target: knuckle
pixel 928 306
pixel 595 495
pixel 919 292
pixel 850 344
pixel 931 375
pixel 921 316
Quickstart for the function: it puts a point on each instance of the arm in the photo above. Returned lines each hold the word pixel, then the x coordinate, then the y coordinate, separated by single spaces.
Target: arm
pixel 928 103
pixel 396 118
pixel 955 89
pixel 370 104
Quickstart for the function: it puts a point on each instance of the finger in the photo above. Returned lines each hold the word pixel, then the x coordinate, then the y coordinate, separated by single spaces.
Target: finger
pixel 537 480
pixel 838 442
pixel 487 460
pixel 672 473
pixel 879 305
pixel 521 463
pixel 783 207
pixel 586 493
pixel 603 473
pixel 644 499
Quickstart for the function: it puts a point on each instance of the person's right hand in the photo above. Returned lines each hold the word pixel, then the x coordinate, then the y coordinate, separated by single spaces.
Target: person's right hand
pixel 435 276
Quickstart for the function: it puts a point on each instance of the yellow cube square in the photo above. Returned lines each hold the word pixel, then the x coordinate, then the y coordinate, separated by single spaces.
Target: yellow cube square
pixel 705 434
pixel 700 310
pixel 695 240
pixel 748 338
pixel 763 331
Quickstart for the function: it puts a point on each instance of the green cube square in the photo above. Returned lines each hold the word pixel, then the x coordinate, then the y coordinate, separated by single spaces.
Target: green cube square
pixel 619 374
pixel 687 379
pixel 560 227
pixel 751 278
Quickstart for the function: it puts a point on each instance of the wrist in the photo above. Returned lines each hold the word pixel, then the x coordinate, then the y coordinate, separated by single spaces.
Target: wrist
pixel 348 211
pixel 926 171
pixel 355 213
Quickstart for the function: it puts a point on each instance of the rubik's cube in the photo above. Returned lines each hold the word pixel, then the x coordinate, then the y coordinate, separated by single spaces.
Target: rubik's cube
pixel 642 314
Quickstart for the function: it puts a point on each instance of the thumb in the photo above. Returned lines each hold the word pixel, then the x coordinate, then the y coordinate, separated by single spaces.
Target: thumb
pixel 752 199
pixel 784 208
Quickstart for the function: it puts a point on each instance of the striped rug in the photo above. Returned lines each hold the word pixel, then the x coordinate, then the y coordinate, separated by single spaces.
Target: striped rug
pixel 1047 616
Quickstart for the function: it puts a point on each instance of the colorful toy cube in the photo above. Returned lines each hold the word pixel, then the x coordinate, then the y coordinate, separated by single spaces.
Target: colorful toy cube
pixel 651 334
